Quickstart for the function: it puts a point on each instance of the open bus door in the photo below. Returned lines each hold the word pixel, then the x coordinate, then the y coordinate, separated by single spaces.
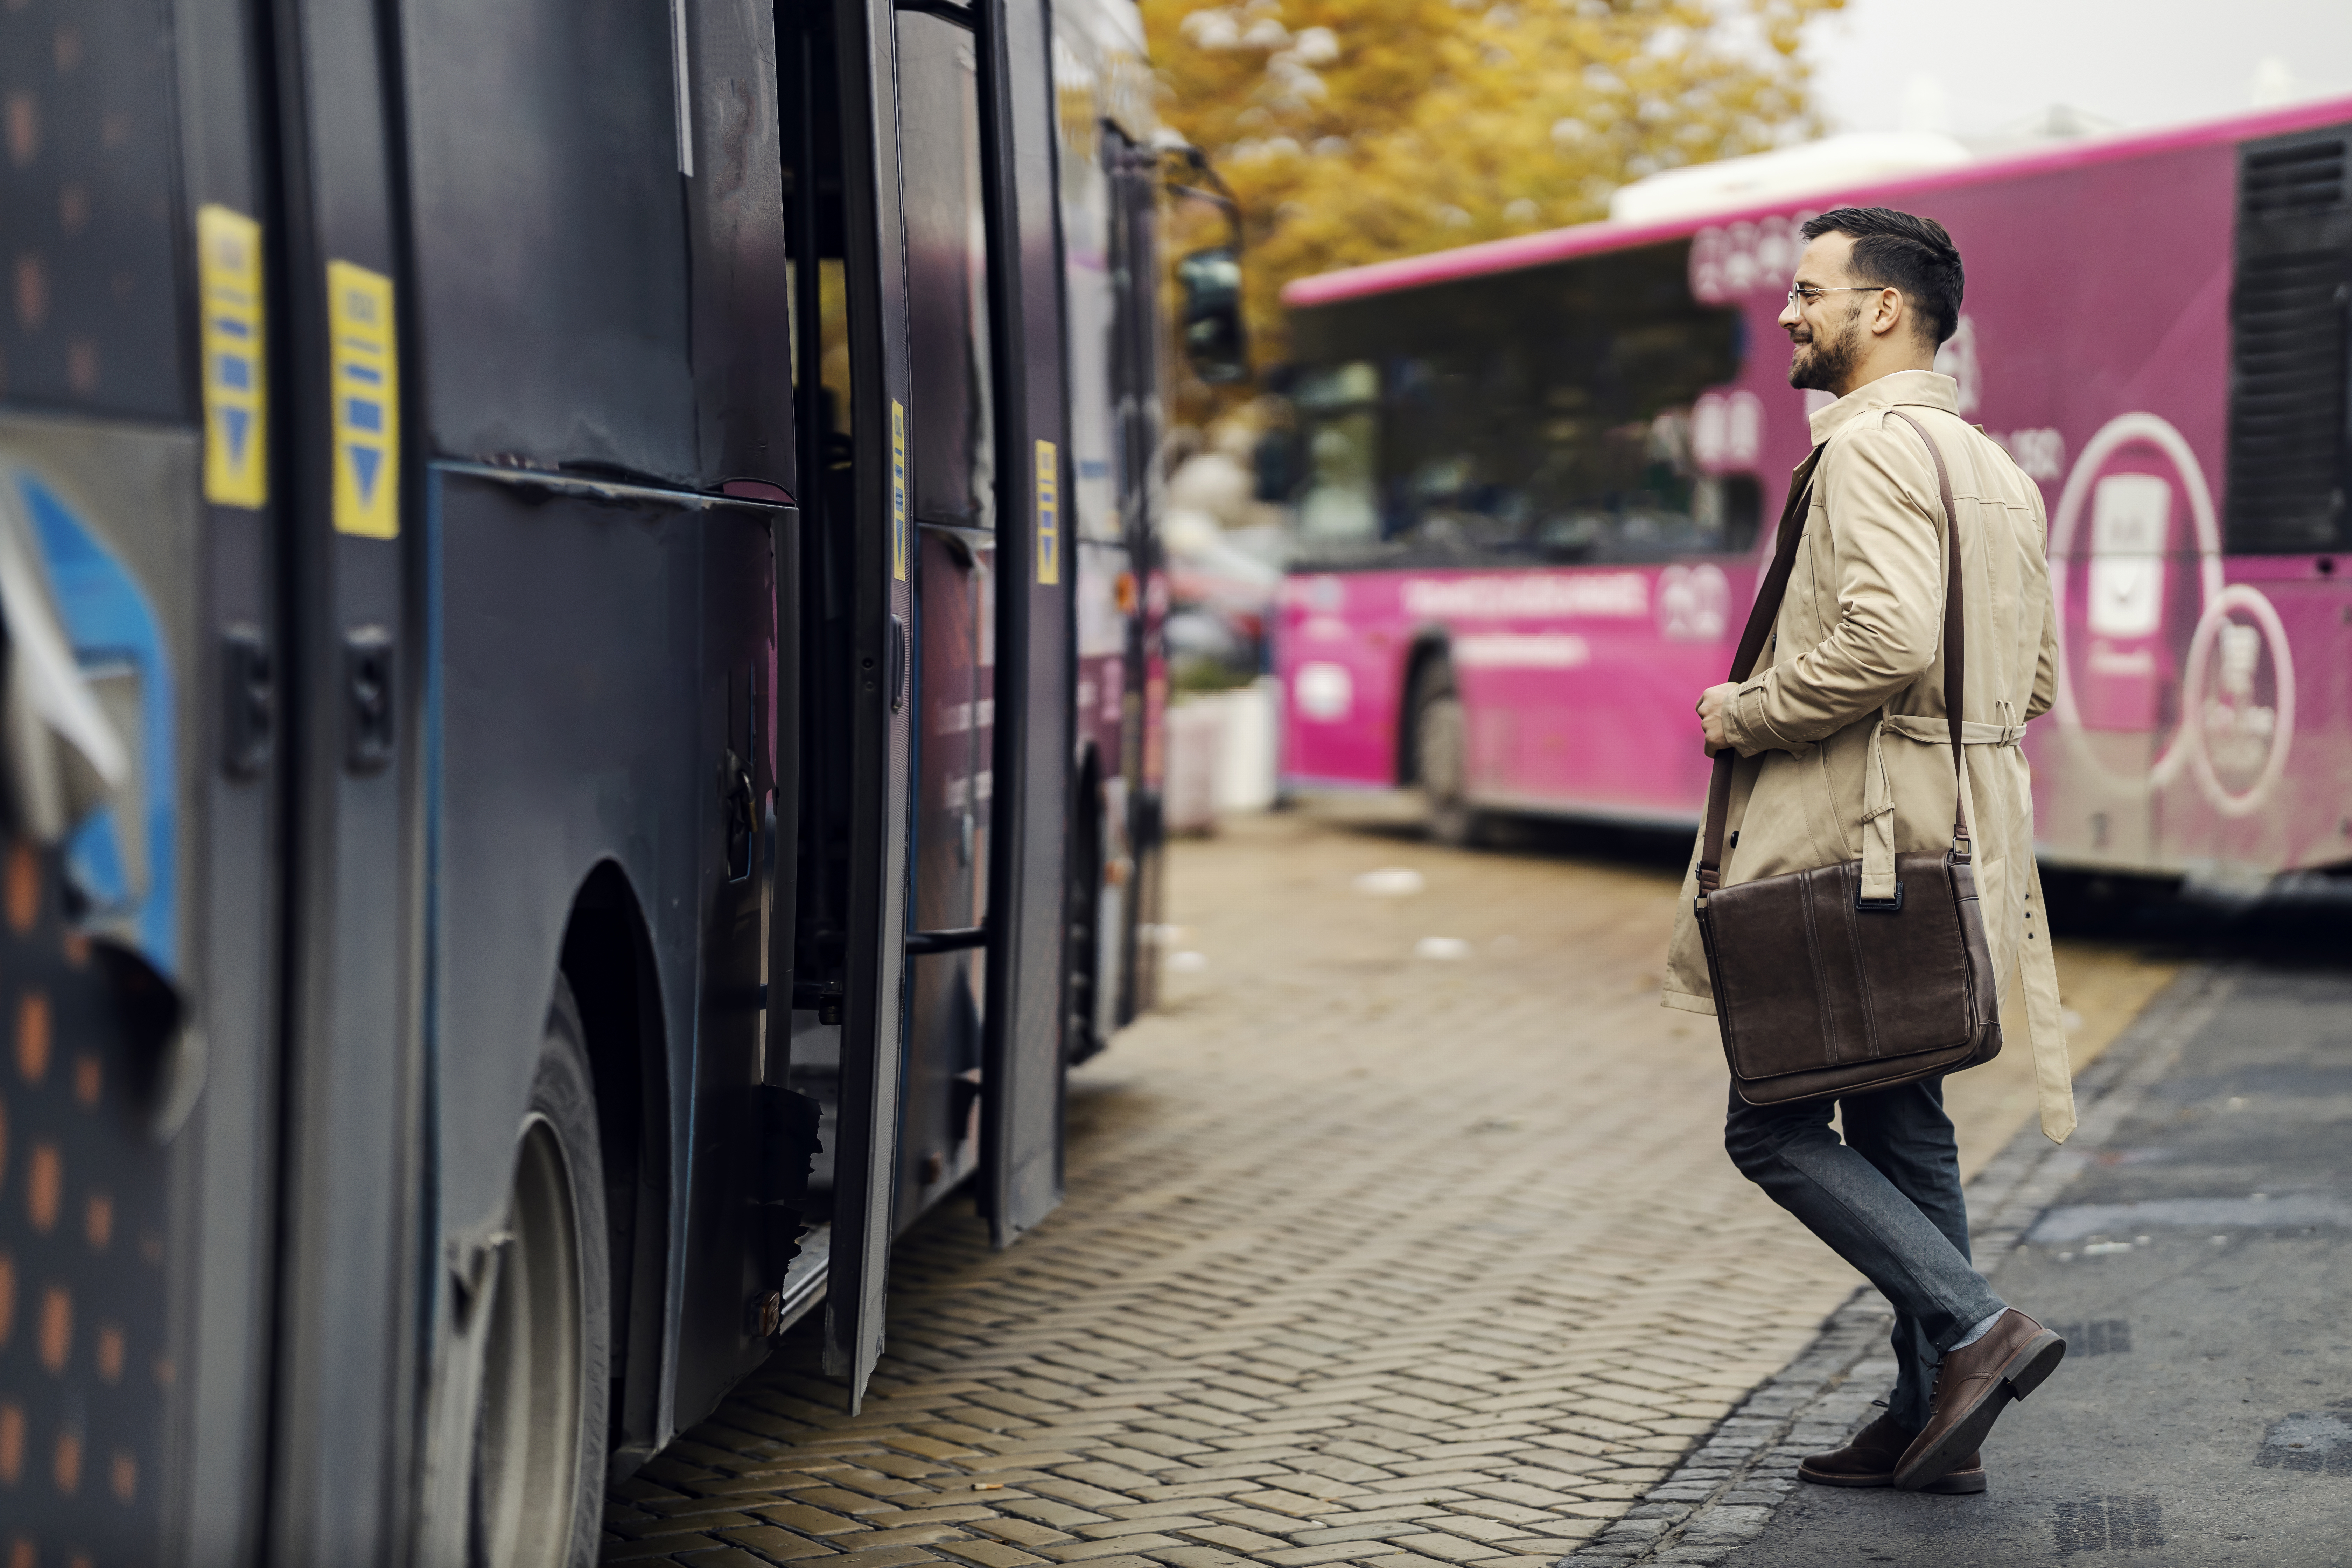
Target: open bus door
pixel 932 902
pixel 856 609
pixel 1026 1055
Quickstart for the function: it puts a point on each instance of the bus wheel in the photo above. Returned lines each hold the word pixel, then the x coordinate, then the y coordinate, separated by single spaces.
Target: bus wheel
pixel 1438 743
pixel 538 1453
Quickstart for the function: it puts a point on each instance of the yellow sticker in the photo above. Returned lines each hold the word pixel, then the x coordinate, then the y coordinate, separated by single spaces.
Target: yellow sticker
pixel 1049 516
pixel 236 404
pixel 897 490
pixel 365 381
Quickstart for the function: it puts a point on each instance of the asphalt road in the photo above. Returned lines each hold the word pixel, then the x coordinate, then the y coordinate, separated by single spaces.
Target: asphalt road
pixel 2198 1267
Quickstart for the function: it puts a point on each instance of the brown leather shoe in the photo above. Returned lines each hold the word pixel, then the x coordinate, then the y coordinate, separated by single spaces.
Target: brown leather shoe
pixel 1869 1461
pixel 1972 1387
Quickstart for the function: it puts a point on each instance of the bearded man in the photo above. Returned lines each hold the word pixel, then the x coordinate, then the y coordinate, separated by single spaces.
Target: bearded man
pixel 1843 735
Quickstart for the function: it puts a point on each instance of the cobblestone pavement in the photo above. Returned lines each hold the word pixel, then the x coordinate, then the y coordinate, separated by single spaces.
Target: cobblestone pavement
pixel 1371 1254
pixel 1726 1493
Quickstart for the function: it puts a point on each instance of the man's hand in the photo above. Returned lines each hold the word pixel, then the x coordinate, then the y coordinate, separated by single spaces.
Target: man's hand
pixel 1714 703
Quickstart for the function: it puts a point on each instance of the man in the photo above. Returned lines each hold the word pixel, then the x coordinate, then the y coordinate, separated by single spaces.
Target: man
pixel 1851 687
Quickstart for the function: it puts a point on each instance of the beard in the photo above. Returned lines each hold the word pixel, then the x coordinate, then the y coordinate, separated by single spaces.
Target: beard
pixel 1821 366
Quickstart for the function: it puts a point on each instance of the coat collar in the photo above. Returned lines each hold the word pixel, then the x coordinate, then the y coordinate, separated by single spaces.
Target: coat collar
pixel 1921 388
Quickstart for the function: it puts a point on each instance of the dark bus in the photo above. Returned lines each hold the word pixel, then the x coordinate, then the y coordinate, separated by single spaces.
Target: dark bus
pixel 578 723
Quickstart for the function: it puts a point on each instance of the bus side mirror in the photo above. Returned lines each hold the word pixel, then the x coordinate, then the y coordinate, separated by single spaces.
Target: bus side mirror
pixel 1277 463
pixel 1214 339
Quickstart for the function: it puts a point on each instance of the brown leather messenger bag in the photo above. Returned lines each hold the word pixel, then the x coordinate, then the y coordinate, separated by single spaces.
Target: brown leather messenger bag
pixel 1817 990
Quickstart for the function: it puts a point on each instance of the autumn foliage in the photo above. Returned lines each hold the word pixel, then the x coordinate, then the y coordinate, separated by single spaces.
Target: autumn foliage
pixel 1354 131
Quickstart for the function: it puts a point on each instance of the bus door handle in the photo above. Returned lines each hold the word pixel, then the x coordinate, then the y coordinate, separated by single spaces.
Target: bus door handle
pixel 250 690
pixel 954 939
pixel 741 809
pixel 368 710
pixel 897 671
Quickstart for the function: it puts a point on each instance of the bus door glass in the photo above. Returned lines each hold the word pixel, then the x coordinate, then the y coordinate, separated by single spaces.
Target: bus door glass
pixel 951 446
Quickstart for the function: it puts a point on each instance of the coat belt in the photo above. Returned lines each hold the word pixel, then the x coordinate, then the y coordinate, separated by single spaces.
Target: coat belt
pixel 1878 791
pixel 1937 732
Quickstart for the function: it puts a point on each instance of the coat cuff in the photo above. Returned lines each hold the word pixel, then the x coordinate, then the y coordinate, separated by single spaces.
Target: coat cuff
pixel 1682 1000
pixel 1743 720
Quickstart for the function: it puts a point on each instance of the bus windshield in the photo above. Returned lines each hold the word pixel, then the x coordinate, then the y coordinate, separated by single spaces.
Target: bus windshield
pixel 1545 414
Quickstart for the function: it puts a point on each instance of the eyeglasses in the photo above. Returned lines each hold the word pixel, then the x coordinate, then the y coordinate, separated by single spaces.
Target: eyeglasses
pixel 1805 293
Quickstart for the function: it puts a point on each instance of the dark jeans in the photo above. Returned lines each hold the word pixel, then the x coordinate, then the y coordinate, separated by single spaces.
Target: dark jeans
pixel 1887 1200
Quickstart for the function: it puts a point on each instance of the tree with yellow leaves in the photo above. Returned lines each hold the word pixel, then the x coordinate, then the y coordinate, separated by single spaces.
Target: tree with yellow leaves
pixel 1354 131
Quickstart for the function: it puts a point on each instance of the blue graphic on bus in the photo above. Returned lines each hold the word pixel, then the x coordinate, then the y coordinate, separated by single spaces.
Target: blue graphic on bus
pixel 123 859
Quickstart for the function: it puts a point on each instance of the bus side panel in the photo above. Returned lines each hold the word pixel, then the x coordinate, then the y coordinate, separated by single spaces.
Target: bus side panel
pixel 599 285
pixel 623 677
pixel 1341 646
pixel 2201 736
pixel 721 1269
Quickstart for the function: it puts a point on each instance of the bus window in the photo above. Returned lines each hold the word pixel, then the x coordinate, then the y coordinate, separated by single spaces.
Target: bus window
pixel 1538 415
pixel 951 440
pixel 833 349
pixel 1338 409
pixel 2291 348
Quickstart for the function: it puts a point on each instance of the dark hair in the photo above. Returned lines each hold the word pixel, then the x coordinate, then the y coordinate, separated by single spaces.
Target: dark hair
pixel 1897 250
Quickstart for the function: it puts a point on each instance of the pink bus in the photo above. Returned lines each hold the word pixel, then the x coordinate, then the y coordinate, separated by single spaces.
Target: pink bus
pixel 1535 477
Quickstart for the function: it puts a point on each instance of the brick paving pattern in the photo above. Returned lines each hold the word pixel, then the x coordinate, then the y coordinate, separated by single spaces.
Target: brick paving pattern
pixel 1367 1257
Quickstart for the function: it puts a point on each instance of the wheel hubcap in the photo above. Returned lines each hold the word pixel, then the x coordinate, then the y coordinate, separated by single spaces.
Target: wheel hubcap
pixel 1440 747
pixel 534 1368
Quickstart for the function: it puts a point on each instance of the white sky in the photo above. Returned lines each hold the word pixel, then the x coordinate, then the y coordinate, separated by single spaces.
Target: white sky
pixel 1972 67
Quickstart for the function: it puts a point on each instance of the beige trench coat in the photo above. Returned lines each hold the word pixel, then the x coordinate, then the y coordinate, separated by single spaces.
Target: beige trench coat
pixel 1844 715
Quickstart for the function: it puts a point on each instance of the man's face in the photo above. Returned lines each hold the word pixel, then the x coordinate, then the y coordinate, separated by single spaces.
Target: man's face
pixel 1825 333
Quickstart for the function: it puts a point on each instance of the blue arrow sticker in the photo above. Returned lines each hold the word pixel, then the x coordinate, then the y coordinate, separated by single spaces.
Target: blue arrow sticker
pixel 363 465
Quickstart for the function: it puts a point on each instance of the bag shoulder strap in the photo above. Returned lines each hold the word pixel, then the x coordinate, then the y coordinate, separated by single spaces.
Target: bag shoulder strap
pixel 1956 663
pixel 1760 616
pixel 1767 609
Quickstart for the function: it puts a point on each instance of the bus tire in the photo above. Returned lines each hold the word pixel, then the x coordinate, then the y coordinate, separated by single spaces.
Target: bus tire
pixel 541 1437
pixel 1440 744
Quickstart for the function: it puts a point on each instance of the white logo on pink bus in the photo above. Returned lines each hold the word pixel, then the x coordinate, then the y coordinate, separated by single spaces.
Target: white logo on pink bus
pixel 2236 674
pixel 1566 596
pixel 1741 258
pixel 1727 432
pixel 1693 602
pixel 1518 650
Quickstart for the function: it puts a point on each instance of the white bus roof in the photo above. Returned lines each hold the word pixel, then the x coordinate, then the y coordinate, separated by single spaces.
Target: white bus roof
pixel 1832 164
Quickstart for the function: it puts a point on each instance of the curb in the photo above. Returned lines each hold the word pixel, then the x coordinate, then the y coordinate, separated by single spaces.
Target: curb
pixel 1725 1492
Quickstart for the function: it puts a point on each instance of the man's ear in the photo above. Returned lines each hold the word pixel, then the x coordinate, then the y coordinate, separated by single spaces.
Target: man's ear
pixel 1887 316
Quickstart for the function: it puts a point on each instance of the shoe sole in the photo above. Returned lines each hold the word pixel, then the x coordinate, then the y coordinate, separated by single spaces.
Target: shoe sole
pixel 1958 1483
pixel 2026 1370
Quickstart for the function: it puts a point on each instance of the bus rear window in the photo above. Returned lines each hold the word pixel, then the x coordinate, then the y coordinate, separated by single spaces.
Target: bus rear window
pixel 1538 415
